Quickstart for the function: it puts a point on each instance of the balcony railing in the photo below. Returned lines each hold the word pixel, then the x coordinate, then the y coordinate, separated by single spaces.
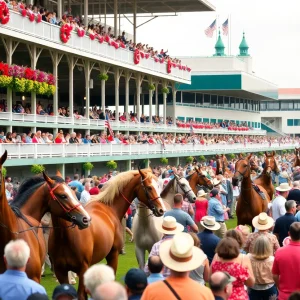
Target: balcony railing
pixel 38 151
pixel 51 33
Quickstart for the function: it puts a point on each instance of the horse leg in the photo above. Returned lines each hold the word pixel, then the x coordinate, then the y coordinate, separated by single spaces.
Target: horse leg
pixel 81 289
pixel 112 258
pixel 61 275
pixel 140 256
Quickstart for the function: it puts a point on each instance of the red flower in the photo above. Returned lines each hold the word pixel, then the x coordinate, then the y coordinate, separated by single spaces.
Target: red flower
pixel 4 69
pixel 31 17
pixel 51 79
pixel 137 56
pixel 38 18
pixel 156 59
pixel 184 68
pixel 65 32
pixel 28 73
pixel 189 69
pixel 4 13
pixel 22 6
pixel 107 39
pixel 24 12
pixel 101 39
pixel 142 54
pixel 162 60
pixel 80 32
pixel 122 45
pixel 92 36
pixel 169 66
pixel 147 55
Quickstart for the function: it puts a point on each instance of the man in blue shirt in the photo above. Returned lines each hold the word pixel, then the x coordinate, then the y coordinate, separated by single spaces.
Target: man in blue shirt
pixel 77 183
pixel 155 267
pixel 215 209
pixel 181 216
pixel 14 283
pixel 209 240
pixel 283 223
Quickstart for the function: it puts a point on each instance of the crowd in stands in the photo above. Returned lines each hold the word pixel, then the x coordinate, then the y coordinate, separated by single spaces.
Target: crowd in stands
pixel 95 29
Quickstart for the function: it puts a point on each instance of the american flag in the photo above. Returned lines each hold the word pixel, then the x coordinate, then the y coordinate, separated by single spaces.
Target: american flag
pixel 225 27
pixel 210 30
pixel 111 133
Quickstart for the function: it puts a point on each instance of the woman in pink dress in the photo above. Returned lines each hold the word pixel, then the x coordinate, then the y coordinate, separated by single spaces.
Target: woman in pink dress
pixel 229 259
pixel 201 206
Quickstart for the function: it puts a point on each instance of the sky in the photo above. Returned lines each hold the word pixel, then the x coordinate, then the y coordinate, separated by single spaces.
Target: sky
pixel 272 29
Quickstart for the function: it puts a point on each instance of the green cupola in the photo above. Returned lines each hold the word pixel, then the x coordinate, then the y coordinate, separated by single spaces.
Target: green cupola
pixel 244 47
pixel 219 46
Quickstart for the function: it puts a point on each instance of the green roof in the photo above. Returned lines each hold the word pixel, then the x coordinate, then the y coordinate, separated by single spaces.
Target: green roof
pixel 219 44
pixel 243 44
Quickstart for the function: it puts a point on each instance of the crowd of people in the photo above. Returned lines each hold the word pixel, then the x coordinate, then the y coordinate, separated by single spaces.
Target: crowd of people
pixel 197 248
pixel 95 29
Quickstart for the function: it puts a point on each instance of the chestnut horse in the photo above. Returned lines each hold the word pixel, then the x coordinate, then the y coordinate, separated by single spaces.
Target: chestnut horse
pixel 104 238
pixel 297 158
pixel 220 168
pixel 198 178
pixel 22 218
pixel 250 203
pixel 265 178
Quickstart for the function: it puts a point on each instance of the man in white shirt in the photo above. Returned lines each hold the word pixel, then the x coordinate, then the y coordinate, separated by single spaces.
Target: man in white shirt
pixel 85 195
pixel 278 205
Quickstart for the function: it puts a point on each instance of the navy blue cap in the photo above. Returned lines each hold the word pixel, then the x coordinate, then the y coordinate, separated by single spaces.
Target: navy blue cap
pixel 136 279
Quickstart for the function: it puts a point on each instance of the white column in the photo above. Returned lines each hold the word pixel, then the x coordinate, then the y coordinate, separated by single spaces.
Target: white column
pixel 143 103
pixel 156 99
pixel 116 18
pixel 86 12
pixel 127 79
pixel 61 168
pixel 72 64
pixel 134 20
pixel 164 107
pixel 59 9
pixel 138 80
pixel 117 81
pixel 87 73
pixel 174 91
pixel 150 101
pixel 103 70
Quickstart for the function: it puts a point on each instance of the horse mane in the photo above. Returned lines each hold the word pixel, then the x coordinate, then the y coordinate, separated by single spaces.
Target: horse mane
pixel 167 188
pixel 28 187
pixel 112 188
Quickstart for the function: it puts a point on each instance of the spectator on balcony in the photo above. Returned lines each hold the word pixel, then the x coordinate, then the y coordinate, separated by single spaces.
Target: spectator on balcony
pixel 60 139
pixel 14 137
pixel 142 118
pixel 103 139
pixel 87 139
pixel 39 110
pixel 77 115
pixel 79 138
pixel 94 139
pixel 123 117
pixel 47 137
pixel 73 139
pixel 8 138
pixel 38 138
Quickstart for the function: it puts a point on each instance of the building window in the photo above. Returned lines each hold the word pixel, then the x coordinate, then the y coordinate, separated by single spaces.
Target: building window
pixel 213 121
pixel 220 101
pixel 205 120
pixel 290 122
pixel 214 100
pixel 297 105
pixel 272 105
pixel 296 122
pixel 206 101
pixel 286 105
pixel 232 102
pixel 198 119
pixel 199 99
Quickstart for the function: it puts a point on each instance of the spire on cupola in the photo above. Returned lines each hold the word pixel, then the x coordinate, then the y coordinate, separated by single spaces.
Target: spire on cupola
pixel 219 46
pixel 244 47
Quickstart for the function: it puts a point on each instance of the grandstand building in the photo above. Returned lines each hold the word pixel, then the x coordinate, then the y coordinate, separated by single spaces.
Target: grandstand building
pixel 96 71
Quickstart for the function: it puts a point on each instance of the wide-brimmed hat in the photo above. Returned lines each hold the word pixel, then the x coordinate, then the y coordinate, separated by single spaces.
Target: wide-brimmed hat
pixel 180 254
pixel 215 181
pixel 262 221
pixel 168 225
pixel 284 174
pixel 210 223
pixel 283 187
pixel 201 193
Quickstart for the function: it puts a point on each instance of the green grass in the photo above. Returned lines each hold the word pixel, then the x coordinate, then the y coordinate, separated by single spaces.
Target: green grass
pixel 125 263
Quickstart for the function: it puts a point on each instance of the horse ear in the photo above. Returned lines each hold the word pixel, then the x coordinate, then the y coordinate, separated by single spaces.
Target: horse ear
pixel 241 155
pixel 274 153
pixel 58 174
pixel 249 156
pixel 3 158
pixel 141 172
pixel 266 153
pixel 50 181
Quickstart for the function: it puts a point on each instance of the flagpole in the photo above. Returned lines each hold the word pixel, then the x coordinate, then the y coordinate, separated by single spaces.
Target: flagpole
pixel 229 33
pixel 217 28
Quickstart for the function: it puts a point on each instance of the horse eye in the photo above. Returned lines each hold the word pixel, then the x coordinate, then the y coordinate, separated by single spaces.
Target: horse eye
pixel 149 188
pixel 63 196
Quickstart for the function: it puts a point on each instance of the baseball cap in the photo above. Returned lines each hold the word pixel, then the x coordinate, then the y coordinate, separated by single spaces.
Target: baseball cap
pixel 38 296
pixel 214 192
pixel 136 280
pixel 64 289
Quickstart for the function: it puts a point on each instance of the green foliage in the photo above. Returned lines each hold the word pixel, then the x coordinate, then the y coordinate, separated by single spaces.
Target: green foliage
pixel 202 158
pixel 111 165
pixel 165 90
pixel 88 166
pixel 4 171
pixel 189 159
pixel 164 161
pixel 231 155
pixel 151 87
pixel 260 154
pixel 284 151
pixel 103 76
pixel 37 169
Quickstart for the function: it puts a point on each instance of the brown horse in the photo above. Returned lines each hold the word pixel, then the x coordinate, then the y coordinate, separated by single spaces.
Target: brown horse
pixel 198 178
pixel 220 169
pixel 250 203
pixel 22 218
pixel 104 238
pixel 297 158
pixel 265 178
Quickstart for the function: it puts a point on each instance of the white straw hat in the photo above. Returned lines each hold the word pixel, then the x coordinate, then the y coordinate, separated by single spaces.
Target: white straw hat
pixel 215 181
pixel 283 187
pixel 262 221
pixel 168 225
pixel 180 254
pixel 284 174
pixel 201 193
pixel 210 223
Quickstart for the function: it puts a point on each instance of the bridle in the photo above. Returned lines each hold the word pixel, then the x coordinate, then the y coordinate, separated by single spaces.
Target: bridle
pixel 206 180
pixel 242 174
pixel 53 197
pixel 181 186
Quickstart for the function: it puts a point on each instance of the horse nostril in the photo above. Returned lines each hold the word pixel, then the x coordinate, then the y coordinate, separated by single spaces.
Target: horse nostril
pixel 194 198
pixel 85 220
pixel 161 211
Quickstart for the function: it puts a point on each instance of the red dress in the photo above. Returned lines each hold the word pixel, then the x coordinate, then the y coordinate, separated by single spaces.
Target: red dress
pixel 201 209
pixel 239 272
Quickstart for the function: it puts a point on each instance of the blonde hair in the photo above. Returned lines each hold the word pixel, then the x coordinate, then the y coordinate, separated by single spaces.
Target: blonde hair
pixel 262 248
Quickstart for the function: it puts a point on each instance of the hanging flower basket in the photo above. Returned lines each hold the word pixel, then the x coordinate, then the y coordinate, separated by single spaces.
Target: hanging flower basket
pixel 151 87
pixel 137 56
pixel 92 36
pixel 24 12
pixel 202 158
pixel 4 13
pixel 111 165
pixel 65 32
pixel 5 81
pixel 169 66
pixel 31 17
pixel 88 166
pixel 100 39
pixel 38 18
pixel 80 32
pixel 164 161
pixel 165 90
pixel 103 76
pixel 4 171
pixel 189 159
pixel 37 169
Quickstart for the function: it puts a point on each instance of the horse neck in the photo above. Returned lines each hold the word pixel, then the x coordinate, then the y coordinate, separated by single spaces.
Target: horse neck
pixel 246 184
pixel 37 204
pixel 193 180
pixel 122 202
pixel 169 197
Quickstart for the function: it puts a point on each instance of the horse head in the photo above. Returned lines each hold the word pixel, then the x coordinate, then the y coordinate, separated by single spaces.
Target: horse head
pixel 271 163
pixel 203 180
pixel 149 194
pixel 64 204
pixel 186 188
pixel 220 164
pixel 242 168
pixel 253 165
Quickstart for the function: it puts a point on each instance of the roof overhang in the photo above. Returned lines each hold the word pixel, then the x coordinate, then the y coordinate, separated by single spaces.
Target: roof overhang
pixel 149 6
pixel 238 84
